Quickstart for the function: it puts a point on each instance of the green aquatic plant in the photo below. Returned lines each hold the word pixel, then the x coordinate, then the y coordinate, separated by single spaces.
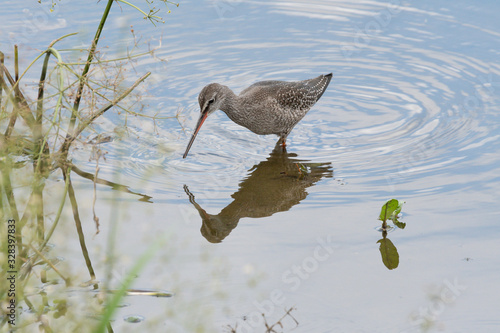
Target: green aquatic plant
pixel 390 212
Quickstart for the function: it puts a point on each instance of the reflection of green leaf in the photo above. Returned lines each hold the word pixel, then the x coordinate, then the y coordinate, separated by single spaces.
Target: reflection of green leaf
pixel 391 209
pixel 389 253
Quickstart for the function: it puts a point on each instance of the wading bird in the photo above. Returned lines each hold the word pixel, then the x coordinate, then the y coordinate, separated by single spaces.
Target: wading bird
pixel 266 107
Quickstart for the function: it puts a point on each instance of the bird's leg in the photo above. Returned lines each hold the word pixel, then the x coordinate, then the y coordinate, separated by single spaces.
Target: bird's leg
pixel 283 142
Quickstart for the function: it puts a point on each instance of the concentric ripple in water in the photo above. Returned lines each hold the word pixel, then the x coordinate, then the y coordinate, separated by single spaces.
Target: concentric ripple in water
pixel 408 99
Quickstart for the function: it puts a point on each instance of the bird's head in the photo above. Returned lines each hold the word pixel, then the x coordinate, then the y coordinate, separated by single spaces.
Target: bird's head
pixel 210 100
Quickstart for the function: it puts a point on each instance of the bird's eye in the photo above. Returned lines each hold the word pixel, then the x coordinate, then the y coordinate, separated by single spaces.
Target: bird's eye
pixel 211 101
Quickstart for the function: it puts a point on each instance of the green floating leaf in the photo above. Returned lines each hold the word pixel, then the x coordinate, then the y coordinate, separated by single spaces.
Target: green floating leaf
pixel 391 209
pixel 390 256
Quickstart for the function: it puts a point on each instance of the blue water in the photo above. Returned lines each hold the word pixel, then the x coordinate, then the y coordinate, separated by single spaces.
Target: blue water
pixel 412 113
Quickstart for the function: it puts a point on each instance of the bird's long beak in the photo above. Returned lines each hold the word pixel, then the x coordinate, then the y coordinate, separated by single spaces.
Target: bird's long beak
pixel 202 118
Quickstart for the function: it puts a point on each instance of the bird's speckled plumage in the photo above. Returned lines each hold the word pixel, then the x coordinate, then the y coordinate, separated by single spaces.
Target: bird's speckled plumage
pixel 267 107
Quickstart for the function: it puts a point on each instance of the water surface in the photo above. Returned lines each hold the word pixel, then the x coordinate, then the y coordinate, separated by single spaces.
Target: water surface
pixel 412 113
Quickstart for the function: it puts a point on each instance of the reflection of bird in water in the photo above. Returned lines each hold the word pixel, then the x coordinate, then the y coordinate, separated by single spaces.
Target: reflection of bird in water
pixel 267 107
pixel 274 185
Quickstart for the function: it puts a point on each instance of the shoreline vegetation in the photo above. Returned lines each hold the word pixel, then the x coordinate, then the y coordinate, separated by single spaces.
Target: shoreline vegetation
pixel 36 140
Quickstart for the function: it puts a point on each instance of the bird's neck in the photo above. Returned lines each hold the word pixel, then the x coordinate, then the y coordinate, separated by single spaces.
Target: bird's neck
pixel 231 106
